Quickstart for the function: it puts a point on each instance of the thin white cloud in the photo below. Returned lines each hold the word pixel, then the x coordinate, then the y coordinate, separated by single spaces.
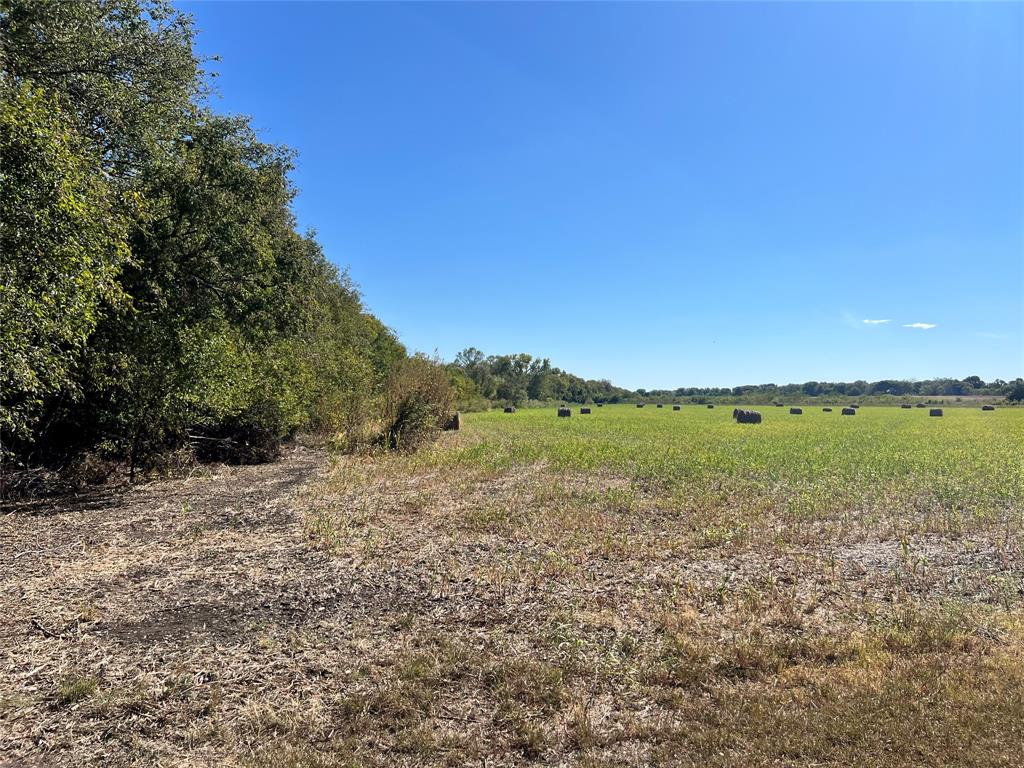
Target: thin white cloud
pixel 877 322
pixel 922 326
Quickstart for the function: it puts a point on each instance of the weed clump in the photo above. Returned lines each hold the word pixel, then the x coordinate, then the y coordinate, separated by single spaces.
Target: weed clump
pixel 418 403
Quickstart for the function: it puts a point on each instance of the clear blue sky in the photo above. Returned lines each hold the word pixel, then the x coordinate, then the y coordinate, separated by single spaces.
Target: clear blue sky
pixel 661 195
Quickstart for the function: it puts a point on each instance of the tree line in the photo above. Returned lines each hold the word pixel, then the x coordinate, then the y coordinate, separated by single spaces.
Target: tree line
pixel 154 290
pixel 484 381
pixel 970 386
pixel 481 381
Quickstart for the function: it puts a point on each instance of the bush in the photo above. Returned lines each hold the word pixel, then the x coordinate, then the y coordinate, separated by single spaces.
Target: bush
pixel 418 400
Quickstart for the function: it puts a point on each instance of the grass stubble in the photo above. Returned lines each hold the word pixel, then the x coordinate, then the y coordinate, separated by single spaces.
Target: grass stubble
pixel 635 587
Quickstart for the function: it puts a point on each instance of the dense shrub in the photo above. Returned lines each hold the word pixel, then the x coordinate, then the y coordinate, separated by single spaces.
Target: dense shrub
pixel 418 401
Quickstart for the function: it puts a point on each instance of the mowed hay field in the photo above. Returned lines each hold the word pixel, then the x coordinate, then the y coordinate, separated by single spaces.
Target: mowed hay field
pixel 644 586
pixel 629 587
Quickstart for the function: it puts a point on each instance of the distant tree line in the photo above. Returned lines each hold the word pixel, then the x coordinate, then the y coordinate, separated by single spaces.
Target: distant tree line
pixel 482 381
pixel 517 379
pixel 972 385
pixel 154 290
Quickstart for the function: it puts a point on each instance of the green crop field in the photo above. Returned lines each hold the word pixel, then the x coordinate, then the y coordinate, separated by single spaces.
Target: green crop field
pixel 901 467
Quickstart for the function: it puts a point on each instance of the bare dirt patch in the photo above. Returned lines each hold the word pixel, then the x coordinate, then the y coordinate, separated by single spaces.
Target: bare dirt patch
pixel 158 593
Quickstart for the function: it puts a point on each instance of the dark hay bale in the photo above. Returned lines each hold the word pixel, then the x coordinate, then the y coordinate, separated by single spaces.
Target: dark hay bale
pixel 454 424
pixel 796 411
pixel 747 417
pixel 584 410
pixel 920 405
pixel 639 405
pixel 710 405
pixel 935 412
pixel 676 407
pixel 600 405
pixel 660 405
pixel 854 405
pixel 565 412
pixel 779 405
pixel 827 410
pixel 988 407
pixel 849 411
pixel 509 409
pixel 906 405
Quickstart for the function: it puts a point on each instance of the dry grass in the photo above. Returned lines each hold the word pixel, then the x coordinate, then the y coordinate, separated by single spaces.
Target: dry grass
pixel 483 605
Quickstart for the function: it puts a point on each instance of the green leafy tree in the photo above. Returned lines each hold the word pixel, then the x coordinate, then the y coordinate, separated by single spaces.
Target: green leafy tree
pixel 123 69
pixel 63 240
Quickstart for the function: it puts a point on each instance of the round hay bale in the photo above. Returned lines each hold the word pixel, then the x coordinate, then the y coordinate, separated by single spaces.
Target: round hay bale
pixel 988 407
pixel 935 412
pixel 920 405
pixel 827 410
pixel 584 410
pixel 747 417
pixel 779 405
pixel 564 412
pixel 509 409
pixel 454 424
pixel 600 405
pixel 639 405
pixel 906 405
pixel 796 411
pixel 710 405
pixel 677 407
pixel 660 405
pixel 854 405
pixel 849 411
